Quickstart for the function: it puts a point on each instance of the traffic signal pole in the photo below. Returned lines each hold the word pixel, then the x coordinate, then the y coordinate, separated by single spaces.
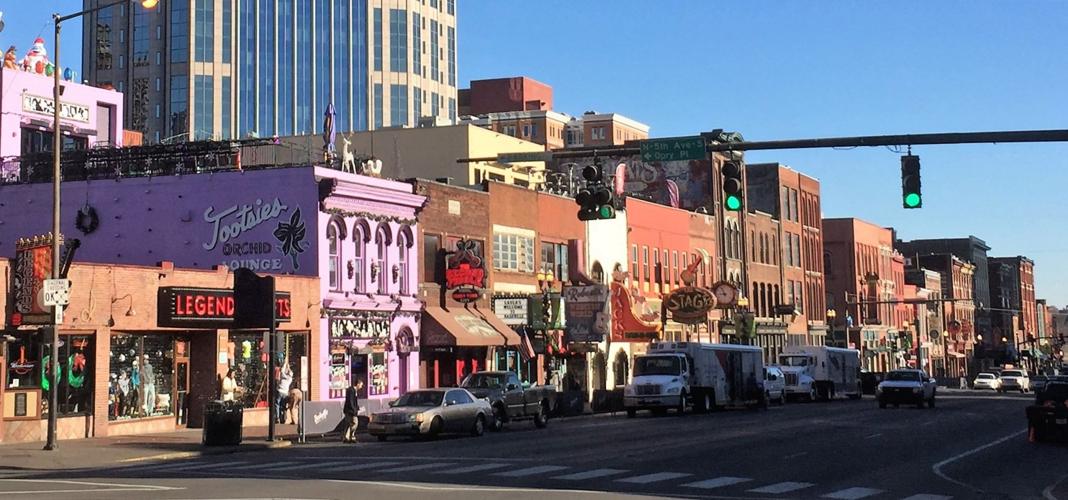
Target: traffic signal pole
pixel 897 140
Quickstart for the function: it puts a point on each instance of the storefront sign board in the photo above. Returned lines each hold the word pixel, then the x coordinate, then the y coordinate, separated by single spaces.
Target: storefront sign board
pixel 188 307
pixel 511 310
pixel 587 316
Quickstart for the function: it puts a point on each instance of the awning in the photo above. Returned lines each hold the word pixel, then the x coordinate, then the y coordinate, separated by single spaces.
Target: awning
pixel 459 326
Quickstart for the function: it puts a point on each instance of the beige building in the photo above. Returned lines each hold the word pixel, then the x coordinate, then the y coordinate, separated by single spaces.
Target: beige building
pixel 425 152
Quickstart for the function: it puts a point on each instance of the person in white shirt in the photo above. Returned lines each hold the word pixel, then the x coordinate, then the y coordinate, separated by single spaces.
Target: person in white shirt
pixel 229 386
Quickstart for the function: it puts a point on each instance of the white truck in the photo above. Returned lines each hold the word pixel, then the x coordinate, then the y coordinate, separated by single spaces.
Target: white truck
pixel 821 372
pixel 677 375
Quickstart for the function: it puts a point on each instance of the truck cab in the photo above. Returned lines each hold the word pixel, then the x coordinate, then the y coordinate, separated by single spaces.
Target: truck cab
pixel 659 382
pixel 799 370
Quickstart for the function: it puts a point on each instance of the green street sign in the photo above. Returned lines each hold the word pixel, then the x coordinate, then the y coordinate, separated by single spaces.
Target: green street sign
pixel 674 149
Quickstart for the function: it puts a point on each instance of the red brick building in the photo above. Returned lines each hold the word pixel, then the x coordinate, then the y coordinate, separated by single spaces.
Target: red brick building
pixel 498 95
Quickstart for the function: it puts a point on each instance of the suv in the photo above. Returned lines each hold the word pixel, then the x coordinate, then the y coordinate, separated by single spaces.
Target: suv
pixel 1012 380
pixel 775 384
pixel 906 387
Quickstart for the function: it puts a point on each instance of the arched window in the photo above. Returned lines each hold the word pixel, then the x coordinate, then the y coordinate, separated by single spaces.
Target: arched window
pixel 334 255
pixel 358 262
pixel 382 242
pixel 402 261
pixel 753 246
pixel 598 276
pixel 600 371
pixel 755 306
pixel 620 368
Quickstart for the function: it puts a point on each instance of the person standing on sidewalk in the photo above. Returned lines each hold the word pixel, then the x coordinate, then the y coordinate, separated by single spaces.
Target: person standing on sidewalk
pixel 352 410
pixel 284 382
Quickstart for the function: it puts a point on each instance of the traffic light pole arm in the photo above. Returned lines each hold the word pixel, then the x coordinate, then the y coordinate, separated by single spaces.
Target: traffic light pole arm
pixel 896 140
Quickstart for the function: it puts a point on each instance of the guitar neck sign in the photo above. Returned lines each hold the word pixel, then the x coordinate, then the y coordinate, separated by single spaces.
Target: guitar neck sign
pixel 184 307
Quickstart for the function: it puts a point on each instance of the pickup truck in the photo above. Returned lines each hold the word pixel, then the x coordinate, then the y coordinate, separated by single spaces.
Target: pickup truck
pixel 509 399
pixel 906 386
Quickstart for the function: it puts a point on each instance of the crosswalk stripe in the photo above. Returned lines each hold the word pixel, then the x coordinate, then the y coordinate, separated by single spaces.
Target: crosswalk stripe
pixel 784 487
pixel 591 474
pixel 286 468
pixel 420 467
pixel 259 465
pixel 473 468
pixel 928 496
pixel 853 493
pixel 530 471
pixel 652 478
pixel 365 465
pixel 212 464
pixel 718 482
pixel 168 465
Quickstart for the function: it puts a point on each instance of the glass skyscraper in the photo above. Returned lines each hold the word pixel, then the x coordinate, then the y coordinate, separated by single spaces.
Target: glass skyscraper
pixel 256 68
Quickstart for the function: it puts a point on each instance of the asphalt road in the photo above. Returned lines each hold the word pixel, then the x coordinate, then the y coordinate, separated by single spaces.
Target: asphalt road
pixel 973 445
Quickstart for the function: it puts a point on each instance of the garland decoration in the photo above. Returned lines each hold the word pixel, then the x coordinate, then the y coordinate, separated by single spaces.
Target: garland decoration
pixel 370 216
pixel 87 221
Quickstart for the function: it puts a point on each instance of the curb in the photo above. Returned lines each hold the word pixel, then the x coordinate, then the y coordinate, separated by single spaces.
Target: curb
pixel 209 451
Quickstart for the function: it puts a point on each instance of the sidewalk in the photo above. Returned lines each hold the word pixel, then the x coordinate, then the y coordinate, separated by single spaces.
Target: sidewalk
pixel 117 450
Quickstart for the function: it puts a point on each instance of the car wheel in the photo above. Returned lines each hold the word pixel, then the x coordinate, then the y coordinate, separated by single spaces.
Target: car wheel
pixel 479 427
pixel 632 413
pixel 541 419
pixel 497 420
pixel 382 437
pixel 811 394
pixel 436 426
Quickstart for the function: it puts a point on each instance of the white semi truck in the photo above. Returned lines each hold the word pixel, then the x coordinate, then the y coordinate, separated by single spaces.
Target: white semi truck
pixel 820 372
pixel 677 375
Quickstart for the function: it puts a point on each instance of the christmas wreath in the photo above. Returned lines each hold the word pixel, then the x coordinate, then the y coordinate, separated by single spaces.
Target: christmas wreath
pixel 87 220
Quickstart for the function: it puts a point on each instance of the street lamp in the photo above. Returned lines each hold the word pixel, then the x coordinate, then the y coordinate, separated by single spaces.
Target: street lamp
pixel 57 144
pixel 831 315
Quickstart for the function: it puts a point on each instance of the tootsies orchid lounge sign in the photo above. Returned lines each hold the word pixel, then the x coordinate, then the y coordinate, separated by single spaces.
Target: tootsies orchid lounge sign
pixel 264 235
pixel 187 307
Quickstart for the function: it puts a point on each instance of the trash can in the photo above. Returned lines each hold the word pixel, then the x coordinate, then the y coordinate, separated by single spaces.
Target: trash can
pixel 222 423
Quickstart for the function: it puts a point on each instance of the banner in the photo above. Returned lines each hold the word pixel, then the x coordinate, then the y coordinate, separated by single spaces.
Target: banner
pixel 321 417
pixel 33 265
pixel 586 313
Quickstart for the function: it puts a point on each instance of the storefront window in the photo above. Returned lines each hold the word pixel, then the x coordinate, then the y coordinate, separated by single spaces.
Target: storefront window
pixel 379 374
pixel 23 362
pixel 75 376
pixel 249 362
pixel 141 378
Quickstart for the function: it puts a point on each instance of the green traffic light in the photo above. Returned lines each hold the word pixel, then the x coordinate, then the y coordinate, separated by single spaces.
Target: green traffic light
pixel 912 200
pixel 733 202
pixel 607 212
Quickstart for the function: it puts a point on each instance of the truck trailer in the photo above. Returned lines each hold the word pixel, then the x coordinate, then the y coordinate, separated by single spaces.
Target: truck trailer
pixel 821 372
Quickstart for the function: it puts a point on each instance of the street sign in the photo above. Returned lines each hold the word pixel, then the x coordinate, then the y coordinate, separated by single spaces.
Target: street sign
pixel 57 313
pixel 674 149
pixel 529 156
pixel 56 292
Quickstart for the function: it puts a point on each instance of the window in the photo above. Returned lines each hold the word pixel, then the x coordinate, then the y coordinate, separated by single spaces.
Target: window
pixel 398 105
pixel 597 133
pixel 554 259
pixel 398 40
pixel 179 21
pixel 634 263
pixel 675 266
pixel 417 104
pixel 435 103
pixel 417 43
pixel 227 27
pixel 204 102
pixel 359 238
pixel 141 380
pixel 431 257
pixel 334 255
pixel 645 263
pixel 378 39
pixel 512 252
pixel 204 28
pixel 382 242
pixel 450 7
pixel 435 70
pixel 526 131
pixel 378 106
pixel 226 108
pixel 451 44
pixel 509 130
pixel 179 104
pixel 402 261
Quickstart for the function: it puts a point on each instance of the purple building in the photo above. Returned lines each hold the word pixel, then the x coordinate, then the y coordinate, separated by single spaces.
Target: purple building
pixel 357 233
pixel 89 117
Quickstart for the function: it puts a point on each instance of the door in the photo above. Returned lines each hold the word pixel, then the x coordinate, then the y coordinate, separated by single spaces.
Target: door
pixel 513 395
pixel 402 369
pixel 453 411
pixel 181 382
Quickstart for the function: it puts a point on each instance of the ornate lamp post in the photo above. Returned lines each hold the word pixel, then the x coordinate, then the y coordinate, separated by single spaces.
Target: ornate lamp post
pixel 831 315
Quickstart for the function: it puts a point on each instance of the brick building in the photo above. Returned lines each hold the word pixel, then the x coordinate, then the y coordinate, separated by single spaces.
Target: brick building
pixel 1012 294
pixel 970 249
pixel 957 280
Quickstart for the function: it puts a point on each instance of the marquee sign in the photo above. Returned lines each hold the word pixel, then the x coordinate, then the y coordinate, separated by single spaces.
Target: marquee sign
pixel 465 275
pixel 690 305
pixel 182 307
pixel 359 328
pixel 45 106
pixel 33 265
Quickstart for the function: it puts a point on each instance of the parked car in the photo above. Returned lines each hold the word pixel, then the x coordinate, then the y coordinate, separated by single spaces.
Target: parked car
pixel 431 412
pixel 509 400
pixel 1047 419
pixel 986 381
pixel 906 387
pixel 1013 380
pixel 775 384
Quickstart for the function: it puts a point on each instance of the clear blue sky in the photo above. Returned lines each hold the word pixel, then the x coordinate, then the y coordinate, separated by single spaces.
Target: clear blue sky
pixel 784 70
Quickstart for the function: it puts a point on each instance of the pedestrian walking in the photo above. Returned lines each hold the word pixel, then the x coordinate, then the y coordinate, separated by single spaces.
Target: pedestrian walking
pixel 296 397
pixel 352 410
pixel 963 380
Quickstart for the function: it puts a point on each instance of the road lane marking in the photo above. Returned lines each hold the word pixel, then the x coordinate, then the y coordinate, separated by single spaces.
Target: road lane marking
pixel 212 464
pixel 1048 492
pixel 718 482
pixel 928 496
pixel 420 467
pixel 653 478
pixel 259 465
pixel 170 465
pixel 853 493
pixel 287 468
pixel 591 474
pixel 795 455
pixel 103 487
pixel 365 465
pixel 784 487
pixel 473 468
pixel 937 468
pixel 530 471
pixel 877 434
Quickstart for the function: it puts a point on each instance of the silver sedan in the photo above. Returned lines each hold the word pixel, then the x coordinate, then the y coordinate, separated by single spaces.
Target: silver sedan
pixel 430 412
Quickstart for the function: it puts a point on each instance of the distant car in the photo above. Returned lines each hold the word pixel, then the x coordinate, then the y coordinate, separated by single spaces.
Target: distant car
pixel 431 412
pixel 509 399
pixel 775 385
pixel 986 381
pixel 1038 382
pixel 1013 380
pixel 1047 419
pixel 906 387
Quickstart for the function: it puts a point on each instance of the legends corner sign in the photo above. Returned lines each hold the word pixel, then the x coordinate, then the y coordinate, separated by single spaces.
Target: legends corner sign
pixel 465 276
pixel 690 305
pixel 188 307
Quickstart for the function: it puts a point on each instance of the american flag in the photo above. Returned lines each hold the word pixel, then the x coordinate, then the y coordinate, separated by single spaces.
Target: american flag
pixel 526 349
pixel 673 193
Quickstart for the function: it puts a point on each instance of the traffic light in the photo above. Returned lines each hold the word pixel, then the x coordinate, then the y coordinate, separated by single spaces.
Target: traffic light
pixel 911 197
pixel 733 186
pixel 594 200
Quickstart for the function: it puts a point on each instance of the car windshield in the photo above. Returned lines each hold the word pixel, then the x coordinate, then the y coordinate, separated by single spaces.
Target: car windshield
pixel 657 365
pixel 986 375
pixel 420 398
pixel 486 381
pixel 793 360
pixel 1011 373
pixel 904 376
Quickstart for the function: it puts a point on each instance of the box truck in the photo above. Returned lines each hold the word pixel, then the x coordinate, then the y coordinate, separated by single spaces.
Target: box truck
pixel 821 372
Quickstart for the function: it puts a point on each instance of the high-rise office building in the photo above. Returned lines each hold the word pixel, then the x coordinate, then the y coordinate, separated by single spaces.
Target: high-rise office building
pixel 255 68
